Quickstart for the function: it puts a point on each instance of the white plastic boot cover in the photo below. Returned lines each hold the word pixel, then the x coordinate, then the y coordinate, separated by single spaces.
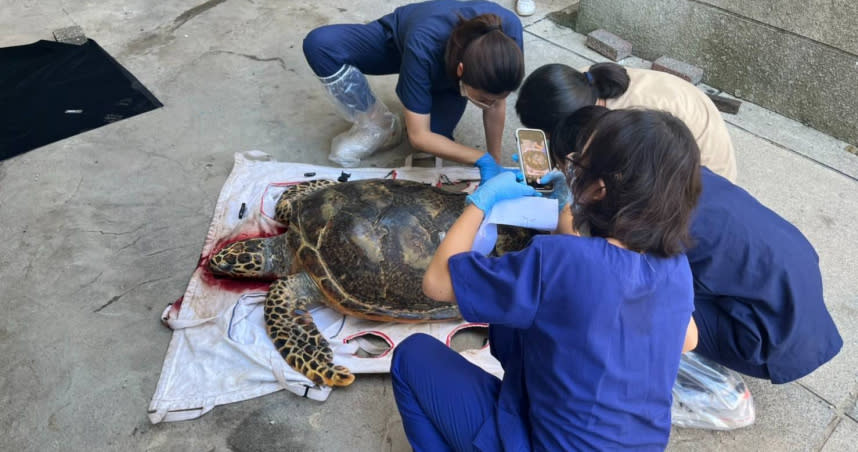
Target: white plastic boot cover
pixel 375 127
pixel 708 395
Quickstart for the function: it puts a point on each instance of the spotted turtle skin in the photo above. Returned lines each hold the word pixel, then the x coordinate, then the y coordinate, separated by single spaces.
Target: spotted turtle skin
pixel 359 247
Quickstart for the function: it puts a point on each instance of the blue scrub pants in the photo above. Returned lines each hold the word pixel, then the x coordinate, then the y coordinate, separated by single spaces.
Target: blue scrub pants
pixel 443 398
pixel 729 335
pixel 371 49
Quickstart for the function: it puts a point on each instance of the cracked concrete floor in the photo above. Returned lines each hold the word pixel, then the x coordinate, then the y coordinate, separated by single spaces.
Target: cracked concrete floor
pixel 103 229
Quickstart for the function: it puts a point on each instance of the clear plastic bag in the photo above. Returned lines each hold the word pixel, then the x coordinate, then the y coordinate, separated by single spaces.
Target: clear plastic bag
pixel 374 130
pixel 707 395
pixel 375 127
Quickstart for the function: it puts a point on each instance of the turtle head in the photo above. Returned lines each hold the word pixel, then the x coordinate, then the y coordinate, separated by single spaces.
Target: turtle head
pixel 261 258
pixel 242 259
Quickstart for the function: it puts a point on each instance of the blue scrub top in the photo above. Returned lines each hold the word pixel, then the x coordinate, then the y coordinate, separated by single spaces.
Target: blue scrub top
pixel 747 258
pixel 589 336
pixel 420 32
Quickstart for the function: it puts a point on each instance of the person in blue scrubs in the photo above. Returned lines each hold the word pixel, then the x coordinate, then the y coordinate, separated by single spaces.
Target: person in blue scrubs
pixel 589 330
pixel 446 53
pixel 758 297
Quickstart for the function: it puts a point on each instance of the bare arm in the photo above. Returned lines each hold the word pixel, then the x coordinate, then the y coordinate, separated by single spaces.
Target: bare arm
pixel 493 122
pixel 437 284
pixel 422 138
pixel 690 337
pixel 564 222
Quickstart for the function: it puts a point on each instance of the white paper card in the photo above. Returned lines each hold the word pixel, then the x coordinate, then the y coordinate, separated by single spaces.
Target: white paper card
pixel 528 212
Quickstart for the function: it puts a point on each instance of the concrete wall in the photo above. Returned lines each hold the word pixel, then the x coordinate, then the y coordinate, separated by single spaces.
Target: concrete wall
pixel 796 57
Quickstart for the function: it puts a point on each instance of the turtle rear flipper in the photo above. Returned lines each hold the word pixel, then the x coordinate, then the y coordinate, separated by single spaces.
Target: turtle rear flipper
pixel 295 336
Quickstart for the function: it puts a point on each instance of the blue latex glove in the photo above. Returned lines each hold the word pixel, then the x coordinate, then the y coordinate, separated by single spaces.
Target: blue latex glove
pixel 500 188
pixel 489 168
pixel 560 190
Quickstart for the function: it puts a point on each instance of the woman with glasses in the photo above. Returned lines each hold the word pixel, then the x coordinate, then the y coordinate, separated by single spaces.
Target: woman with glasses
pixel 446 53
pixel 758 300
pixel 589 330
pixel 555 90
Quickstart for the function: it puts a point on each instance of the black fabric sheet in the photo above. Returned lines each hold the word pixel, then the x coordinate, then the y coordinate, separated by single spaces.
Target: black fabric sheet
pixel 50 91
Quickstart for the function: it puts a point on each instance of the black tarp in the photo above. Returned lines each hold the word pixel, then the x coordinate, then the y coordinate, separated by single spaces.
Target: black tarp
pixel 51 90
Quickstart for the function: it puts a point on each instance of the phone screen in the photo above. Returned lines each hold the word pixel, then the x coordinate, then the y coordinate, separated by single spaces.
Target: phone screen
pixel 533 155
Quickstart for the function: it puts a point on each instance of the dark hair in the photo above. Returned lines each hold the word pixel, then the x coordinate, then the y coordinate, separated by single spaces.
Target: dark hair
pixel 493 61
pixel 555 90
pixel 564 134
pixel 650 165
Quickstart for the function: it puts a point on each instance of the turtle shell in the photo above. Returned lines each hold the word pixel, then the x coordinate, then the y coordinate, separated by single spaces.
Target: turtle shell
pixel 367 244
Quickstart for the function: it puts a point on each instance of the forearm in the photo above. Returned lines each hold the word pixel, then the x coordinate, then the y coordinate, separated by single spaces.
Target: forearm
pixel 437 283
pixel 564 222
pixel 445 148
pixel 493 122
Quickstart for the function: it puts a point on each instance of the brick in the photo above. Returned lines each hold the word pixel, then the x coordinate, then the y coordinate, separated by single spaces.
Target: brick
pixel 609 44
pixel 725 104
pixel 678 68
pixel 70 35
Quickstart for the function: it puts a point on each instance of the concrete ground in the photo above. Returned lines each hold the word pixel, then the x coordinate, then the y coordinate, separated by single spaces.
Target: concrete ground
pixel 103 229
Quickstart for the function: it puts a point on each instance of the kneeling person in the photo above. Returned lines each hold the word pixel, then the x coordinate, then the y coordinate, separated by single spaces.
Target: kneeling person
pixel 758 298
pixel 589 330
pixel 446 54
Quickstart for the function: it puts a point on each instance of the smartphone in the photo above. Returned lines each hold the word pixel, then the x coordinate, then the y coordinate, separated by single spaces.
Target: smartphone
pixel 533 157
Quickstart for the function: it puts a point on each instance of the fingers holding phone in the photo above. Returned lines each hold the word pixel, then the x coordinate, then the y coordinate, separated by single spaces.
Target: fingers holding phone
pixel 560 188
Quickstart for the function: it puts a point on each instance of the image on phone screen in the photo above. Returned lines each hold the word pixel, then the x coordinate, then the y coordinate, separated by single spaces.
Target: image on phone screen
pixel 534 155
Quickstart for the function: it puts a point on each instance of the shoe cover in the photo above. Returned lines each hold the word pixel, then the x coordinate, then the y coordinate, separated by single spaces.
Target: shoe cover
pixel 707 395
pixel 373 131
pixel 374 126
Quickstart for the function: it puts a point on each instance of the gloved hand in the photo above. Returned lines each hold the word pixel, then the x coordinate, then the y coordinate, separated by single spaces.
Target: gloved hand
pixel 489 168
pixel 560 188
pixel 500 188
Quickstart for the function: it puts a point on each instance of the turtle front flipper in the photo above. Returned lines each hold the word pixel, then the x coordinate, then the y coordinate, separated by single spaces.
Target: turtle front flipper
pixel 262 258
pixel 295 336
pixel 294 193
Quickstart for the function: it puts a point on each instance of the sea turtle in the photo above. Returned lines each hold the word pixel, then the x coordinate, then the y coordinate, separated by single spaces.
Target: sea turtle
pixel 360 247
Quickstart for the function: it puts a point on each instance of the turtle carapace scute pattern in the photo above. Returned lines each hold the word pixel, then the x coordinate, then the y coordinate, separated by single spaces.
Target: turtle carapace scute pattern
pixel 359 247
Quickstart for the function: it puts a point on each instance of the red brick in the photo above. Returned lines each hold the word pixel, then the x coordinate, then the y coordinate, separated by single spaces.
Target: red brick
pixel 678 68
pixel 609 44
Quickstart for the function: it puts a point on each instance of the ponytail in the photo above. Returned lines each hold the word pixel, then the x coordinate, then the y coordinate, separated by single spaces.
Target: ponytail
pixel 610 80
pixel 492 60
pixel 555 90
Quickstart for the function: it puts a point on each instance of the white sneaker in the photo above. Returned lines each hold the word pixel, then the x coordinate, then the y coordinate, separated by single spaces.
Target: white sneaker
pixel 525 7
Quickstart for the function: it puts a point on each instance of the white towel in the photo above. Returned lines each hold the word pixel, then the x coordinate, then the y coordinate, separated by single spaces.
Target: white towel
pixel 220 352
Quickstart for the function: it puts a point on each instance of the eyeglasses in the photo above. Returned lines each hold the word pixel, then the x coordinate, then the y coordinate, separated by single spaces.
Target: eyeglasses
pixel 572 161
pixel 463 90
